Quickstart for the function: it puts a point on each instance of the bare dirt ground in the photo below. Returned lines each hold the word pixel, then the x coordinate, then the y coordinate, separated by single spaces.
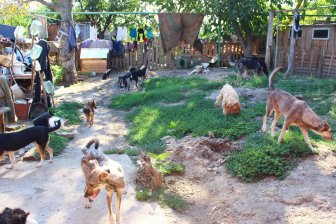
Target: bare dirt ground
pixel 54 193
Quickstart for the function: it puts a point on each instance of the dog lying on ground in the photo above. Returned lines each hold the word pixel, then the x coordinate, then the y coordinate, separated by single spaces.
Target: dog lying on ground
pixel 99 172
pixel 246 65
pixel 88 110
pixel 107 74
pixel 11 142
pixel 296 113
pixel 15 216
pixel 229 100
pixel 151 74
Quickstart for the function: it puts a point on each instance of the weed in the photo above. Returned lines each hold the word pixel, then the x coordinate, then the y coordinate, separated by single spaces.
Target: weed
pixel 143 193
pixel 166 167
pixel 127 151
pixel 174 201
pixel 69 111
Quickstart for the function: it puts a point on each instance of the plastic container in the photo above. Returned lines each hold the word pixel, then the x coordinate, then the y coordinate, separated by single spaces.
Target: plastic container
pixel 18 68
pixel 22 108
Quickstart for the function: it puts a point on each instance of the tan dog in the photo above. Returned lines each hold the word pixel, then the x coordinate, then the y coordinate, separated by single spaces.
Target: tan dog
pixel 295 111
pixel 99 172
pixel 88 110
pixel 229 100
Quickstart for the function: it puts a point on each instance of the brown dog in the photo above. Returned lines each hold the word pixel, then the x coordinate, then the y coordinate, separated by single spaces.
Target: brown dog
pixel 99 172
pixel 296 113
pixel 229 100
pixel 88 110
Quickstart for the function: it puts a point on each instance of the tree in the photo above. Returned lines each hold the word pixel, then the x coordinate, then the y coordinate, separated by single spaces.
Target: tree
pixel 67 57
pixel 13 14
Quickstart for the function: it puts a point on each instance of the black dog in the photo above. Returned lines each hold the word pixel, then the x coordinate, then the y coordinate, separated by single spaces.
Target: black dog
pixel 11 142
pixel 107 74
pixel 17 216
pixel 254 64
pixel 138 73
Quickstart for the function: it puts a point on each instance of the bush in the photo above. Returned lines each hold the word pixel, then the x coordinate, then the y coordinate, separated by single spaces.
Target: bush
pixel 58 73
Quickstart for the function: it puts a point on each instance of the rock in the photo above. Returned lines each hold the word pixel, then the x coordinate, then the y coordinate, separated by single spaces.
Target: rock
pixel 168 139
pixel 68 135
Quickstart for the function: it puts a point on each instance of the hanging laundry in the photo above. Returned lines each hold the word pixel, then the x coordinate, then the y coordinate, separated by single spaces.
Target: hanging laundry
pixel 72 44
pixel 133 33
pixel 121 33
pixel 135 44
pixel 77 30
pixel 93 32
pixel 149 33
pixel 141 34
pixel 107 35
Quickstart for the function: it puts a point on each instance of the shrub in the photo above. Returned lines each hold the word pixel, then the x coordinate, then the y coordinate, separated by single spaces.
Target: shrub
pixel 58 73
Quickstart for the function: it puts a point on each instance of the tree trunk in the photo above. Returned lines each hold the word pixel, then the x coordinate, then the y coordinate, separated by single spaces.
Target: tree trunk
pixel 67 58
pixel 290 69
pixel 245 41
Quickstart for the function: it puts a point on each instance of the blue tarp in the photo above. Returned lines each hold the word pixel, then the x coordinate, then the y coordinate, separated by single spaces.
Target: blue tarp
pixel 7 31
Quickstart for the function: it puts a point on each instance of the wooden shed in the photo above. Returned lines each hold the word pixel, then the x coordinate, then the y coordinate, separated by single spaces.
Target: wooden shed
pixel 314 50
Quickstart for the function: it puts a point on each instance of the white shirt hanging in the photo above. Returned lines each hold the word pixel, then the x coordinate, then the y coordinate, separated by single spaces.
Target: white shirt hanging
pixel 93 32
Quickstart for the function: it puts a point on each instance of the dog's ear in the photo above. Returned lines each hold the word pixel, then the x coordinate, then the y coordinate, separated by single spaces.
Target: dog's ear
pixel 323 126
pixel 103 175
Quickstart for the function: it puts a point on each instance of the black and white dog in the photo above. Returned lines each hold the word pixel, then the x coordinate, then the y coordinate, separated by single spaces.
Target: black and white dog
pixel 107 74
pixel 133 74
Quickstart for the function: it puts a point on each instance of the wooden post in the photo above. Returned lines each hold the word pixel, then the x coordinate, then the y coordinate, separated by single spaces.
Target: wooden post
pixel 269 41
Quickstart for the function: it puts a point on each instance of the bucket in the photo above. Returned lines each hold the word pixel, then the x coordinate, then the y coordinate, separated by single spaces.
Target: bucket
pixel 18 68
pixel 22 108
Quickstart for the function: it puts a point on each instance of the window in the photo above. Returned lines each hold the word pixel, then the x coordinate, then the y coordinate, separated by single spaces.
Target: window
pixel 321 34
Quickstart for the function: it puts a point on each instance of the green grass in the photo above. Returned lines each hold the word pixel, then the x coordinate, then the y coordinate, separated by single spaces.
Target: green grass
pixel 178 107
pixel 69 111
pixel 57 143
pixel 127 151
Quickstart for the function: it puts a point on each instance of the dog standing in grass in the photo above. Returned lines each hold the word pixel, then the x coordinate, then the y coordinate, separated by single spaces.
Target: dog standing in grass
pixel 229 100
pixel 89 112
pixel 296 113
pixel 99 172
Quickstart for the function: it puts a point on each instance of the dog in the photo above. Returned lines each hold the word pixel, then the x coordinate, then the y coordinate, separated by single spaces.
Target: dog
pixel 11 142
pixel 15 216
pixel 107 74
pixel 124 81
pixel 138 73
pixel 88 110
pixel 229 100
pixel 151 74
pixel 100 171
pixel 296 113
pixel 246 65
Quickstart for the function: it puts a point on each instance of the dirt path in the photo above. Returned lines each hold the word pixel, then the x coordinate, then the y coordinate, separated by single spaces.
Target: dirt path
pixel 54 193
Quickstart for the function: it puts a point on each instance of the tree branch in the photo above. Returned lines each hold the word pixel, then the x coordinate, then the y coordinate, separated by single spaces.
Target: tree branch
pixel 43 2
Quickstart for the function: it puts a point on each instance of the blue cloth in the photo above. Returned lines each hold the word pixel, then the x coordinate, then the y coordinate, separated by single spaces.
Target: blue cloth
pixel 133 33
pixel 71 38
pixel 149 33
pixel 7 31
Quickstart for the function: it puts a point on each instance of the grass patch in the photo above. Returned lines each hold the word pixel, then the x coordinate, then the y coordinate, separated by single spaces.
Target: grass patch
pixel 127 151
pixel 262 156
pixel 57 143
pixel 69 111
pixel 172 200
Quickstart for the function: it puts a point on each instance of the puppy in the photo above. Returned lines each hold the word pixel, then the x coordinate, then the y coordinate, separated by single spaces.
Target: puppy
pixel 100 171
pixel 11 142
pixel 136 74
pixel 229 100
pixel 296 113
pixel 88 110
pixel 15 216
pixel 124 81
pixel 107 74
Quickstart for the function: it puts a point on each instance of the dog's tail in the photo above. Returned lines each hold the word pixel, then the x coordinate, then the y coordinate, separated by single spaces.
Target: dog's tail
pixel 88 145
pixel 270 80
pixel 55 123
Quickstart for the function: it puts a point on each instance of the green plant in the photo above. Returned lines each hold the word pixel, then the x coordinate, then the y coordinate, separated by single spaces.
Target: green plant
pixel 143 193
pixel 127 151
pixel 58 73
pixel 174 201
pixel 57 143
pixel 262 156
pixel 166 167
pixel 69 111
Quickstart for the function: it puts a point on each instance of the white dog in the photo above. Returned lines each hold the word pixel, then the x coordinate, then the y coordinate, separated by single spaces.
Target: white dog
pixel 229 100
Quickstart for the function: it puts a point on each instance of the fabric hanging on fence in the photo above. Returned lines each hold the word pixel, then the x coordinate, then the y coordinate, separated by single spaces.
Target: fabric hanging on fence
pixel 133 33
pixel 72 44
pixel 175 27
pixel 149 33
pixel 141 34
pixel 121 33
pixel 93 32
pixel 6 99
